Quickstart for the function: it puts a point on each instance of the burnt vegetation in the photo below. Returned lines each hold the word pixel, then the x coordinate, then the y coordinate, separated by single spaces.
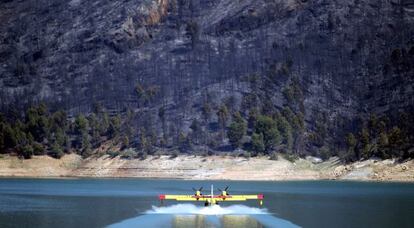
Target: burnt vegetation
pixel 248 78
pixel 255 127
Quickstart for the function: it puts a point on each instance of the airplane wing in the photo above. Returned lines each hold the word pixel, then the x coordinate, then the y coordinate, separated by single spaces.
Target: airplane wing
pixel 239 197
pixel 183 197
pixel 214 199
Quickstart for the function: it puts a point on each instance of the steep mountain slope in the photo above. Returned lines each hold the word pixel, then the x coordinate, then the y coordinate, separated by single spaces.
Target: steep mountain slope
pixel 171 62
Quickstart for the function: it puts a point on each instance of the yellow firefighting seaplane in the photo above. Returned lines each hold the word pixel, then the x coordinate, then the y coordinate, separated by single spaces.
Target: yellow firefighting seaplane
pixel 212 199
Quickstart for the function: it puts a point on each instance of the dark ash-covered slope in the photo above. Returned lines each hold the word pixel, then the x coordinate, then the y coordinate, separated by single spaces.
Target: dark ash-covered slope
pixel 331 61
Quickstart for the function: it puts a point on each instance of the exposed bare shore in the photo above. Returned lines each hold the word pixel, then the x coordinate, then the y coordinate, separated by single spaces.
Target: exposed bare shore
pixel 206 168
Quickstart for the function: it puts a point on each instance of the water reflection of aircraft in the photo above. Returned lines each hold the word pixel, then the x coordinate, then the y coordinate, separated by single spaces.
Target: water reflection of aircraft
pixel 225 221
pixel 212 199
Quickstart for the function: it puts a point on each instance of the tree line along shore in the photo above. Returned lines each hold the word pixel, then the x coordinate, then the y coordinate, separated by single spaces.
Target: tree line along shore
pixel 38 131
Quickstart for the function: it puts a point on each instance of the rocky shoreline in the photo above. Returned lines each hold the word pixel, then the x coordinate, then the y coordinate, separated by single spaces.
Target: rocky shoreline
pixel 207 168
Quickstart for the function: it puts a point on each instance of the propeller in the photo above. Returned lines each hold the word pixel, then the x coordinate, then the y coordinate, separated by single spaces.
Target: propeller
pixel 200 189
pixel 225 189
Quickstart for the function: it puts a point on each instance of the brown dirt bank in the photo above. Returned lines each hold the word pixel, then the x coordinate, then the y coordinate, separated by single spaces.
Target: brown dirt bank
pixel 207 168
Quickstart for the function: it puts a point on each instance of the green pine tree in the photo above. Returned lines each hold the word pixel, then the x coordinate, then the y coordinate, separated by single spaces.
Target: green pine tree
pixel 266 126
pixel 237 130
pixel 114 127
pixel 258 143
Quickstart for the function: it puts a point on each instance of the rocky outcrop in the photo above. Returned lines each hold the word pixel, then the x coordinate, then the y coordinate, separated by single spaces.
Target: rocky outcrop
pixel 331 61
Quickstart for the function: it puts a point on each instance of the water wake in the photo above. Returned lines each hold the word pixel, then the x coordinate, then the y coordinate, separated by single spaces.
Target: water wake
pixel 189 215
pixel 190 209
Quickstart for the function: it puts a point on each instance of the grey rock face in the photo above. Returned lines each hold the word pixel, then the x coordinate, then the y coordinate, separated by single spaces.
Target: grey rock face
pixel 349 58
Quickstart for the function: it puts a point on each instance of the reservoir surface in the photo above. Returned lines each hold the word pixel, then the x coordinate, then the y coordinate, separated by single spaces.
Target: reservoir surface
pixel 134 203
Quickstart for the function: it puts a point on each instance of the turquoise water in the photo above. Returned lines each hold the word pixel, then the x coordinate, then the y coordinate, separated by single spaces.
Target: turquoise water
pixel 134 203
